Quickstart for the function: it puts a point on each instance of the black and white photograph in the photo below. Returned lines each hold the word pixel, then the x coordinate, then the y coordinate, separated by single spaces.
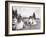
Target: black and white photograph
pixel 24 18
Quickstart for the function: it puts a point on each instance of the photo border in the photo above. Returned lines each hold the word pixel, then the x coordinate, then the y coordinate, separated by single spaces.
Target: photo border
pixel 6 18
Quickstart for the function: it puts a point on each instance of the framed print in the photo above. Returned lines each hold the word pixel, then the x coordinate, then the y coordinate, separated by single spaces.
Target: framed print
pixel 24 18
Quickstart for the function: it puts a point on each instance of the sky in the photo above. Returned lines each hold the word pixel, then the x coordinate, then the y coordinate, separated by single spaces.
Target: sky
pixel 27 11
